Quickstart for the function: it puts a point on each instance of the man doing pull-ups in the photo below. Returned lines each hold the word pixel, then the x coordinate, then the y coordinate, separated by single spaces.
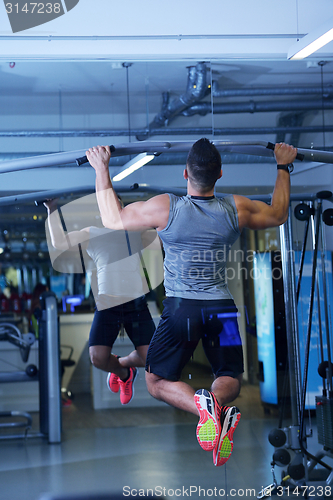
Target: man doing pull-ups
pixel 197 231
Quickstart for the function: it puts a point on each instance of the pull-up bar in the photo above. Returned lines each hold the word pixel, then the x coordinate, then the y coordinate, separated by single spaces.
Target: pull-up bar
pixel 259 148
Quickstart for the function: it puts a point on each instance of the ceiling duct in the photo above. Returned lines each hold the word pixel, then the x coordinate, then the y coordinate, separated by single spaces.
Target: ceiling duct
pixel 203 108
pixel 195 91
pixel 269 91
pixel 188 103
pixel 286 128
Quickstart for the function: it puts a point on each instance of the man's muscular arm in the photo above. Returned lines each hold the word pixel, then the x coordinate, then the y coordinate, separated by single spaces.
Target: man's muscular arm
pixel 255 214
pixel 153 213
pixel 59 239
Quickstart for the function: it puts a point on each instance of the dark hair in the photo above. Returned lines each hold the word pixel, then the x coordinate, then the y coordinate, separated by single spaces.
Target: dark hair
pixel 203 165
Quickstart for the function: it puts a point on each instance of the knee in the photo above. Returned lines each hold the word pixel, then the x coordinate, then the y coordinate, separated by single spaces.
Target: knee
pixel 240 380
pixel 141 352
pixel 97 358
pixel 152 384
pixel 236 388
pixel 149 383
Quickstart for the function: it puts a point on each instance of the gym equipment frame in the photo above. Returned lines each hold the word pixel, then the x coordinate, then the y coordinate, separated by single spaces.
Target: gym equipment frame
pixel 294 437
pixel 48 375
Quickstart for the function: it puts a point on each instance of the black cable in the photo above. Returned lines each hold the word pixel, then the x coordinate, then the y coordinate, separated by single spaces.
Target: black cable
pixel 308 336
pixel 300 272
pixel 307 349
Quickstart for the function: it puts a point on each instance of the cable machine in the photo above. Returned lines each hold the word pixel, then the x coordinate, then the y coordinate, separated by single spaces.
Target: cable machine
pixel 291 442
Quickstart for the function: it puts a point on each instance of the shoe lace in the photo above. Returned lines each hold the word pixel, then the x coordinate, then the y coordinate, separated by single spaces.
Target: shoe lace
pixel 126 386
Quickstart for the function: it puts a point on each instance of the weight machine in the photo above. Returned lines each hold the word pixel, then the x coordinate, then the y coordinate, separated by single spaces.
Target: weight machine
pixel 48 374
pixel 291 442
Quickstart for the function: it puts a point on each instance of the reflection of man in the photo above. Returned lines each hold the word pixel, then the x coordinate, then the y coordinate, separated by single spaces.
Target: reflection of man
pixel 198 304
pixel 119 291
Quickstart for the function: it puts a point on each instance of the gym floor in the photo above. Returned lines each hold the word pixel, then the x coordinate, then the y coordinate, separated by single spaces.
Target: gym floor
pixel 134 450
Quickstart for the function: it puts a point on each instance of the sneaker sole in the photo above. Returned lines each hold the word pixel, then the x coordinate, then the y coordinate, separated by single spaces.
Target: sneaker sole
pixel 226 445
pixel 136 374
pixel 208 426
pixel 108 384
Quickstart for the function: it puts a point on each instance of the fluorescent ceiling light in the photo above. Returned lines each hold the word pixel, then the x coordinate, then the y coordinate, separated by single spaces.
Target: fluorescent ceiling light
pixel 312 41
pixel 133 165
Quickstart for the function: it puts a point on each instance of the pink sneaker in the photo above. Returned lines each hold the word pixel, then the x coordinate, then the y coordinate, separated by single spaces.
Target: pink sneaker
pixel 208 428
pixel 127 387
pixel 112 382
pixel 230 417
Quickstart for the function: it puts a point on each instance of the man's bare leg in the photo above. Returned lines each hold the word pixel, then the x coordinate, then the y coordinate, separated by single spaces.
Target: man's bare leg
pixel 178 394
pixel 211 434
pixel 135 358
pixel 226 389
pixel 181 395
pixel 101 358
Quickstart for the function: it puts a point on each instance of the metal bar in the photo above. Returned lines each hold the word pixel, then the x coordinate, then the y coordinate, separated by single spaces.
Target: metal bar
pixel 179 37
pixel 167 131
pixel 327 320
pixel 289 285
pixel 26 435
pixel 311 303
pixel 53 370
pixel 264 91
pixel 257 148
pixel 40 196
pixel 19 376
pixel 55 159
pixel 320 329
pixel 19 414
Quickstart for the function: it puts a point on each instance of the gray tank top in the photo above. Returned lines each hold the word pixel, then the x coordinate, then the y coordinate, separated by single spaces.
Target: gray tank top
pixel 196 241
pixel 115 254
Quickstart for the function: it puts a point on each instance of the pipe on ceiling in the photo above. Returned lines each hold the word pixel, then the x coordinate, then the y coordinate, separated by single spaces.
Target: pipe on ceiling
pixel 187 104
pixel 266 91
pixel 196 89
pixel 203 108
pixel 203 131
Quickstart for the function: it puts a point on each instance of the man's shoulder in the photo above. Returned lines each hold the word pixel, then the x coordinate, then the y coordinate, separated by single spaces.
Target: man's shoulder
pixel 160 200
pixel 240 200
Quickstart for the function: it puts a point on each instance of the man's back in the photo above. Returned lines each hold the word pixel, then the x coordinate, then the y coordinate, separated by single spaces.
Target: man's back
pixel 196 240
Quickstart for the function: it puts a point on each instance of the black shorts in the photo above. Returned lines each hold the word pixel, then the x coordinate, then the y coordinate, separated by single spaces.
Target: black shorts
pixel 183 323
pixel 135 317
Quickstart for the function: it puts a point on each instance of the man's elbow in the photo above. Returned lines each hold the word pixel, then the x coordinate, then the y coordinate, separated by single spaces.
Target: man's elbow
pixel 283 219
pixel 111 224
